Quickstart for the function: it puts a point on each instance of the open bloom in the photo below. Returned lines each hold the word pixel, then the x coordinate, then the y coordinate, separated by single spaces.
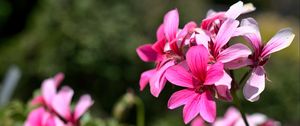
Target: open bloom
pixel 256 82
pixel 62 106
pixel 199 80
pixel 56 105
pixel 165 52
pixel 233 117
pixel 214 20
pixel 228 55
pixel 51 84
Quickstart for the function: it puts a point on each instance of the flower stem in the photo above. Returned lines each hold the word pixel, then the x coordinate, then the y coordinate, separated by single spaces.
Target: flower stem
pixel 244 77
pixel 238 105
pixel 140 119
pixel 236 99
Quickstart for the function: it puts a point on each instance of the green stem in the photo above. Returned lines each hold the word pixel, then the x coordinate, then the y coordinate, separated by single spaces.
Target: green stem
pixel 238 105
pixel 244 77
pixel 140 119
pixel 236 100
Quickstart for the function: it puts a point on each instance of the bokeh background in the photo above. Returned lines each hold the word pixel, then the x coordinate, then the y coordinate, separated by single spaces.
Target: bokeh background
pixel 93 42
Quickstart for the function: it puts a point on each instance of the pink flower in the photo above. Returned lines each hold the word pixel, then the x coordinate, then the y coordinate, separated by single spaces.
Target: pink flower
pixel 166 51
pixel 41 117
pixel 58 104
pixel 51 84
pixel 198 97
pixel 233 118
pixel 62 105
pixel 256 82
pixel 230 56
pixel 214 20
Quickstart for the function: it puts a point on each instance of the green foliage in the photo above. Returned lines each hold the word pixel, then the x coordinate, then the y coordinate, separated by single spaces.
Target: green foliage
pixel 13 114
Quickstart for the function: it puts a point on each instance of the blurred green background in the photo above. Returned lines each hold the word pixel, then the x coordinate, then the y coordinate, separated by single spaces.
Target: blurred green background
pixel 93 42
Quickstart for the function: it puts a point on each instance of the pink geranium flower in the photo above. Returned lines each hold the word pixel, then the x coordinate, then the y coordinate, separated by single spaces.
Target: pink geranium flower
pixel 165 52
pixel 233 118
pixel 41 117
pixel 214 20
pixel 58 103
pixel 62 105
pixel 51 84
pixel 229 55
pixel 256 82
pixel 199 80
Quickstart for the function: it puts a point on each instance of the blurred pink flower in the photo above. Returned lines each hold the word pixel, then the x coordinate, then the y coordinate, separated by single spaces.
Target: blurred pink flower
pixel 165 52
pixel 249 29
pixel 48 88
pixel 61 104
pixel 58 104
pixel 233 118
pixel 198 97
pixel 41 117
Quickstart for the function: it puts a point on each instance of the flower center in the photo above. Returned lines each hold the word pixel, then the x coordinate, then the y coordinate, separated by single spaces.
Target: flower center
pixel 201 88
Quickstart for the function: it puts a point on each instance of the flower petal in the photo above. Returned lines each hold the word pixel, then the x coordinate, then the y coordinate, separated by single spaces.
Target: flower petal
pixel 158 81
pixel 180 98
pixel 37 100
pixel 249 29
pixel 223 93
pixel 179 76
pixel 197 58
pixel 191 109
pixel 281 40
pixel 171 24
pixel 255 119
pixel 223 87
pixel 84 103
pixel 207 107
pixel 233 52
pixel 226 31
pixel 202 38
pixel 58 122
pixel 187 28
pixel 238 63
pixel 235 10
pixel 51 120
pixel 210 12
pixel 198 121
pixel 231 116
pixel 206 23
pixel 159 46
pixel 225 80
pixel 145 77
pixel 160 32
pixel 62 101
pixel 214 73
pixel 248 7
pixel 35 117
pixel 146 53
pixel 58 78
pixel 255 84
pixel 48 91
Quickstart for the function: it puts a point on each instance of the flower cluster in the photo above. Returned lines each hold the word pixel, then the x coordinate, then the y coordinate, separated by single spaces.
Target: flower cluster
pixel 55 106
pixel 232 117
pixel 198 58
